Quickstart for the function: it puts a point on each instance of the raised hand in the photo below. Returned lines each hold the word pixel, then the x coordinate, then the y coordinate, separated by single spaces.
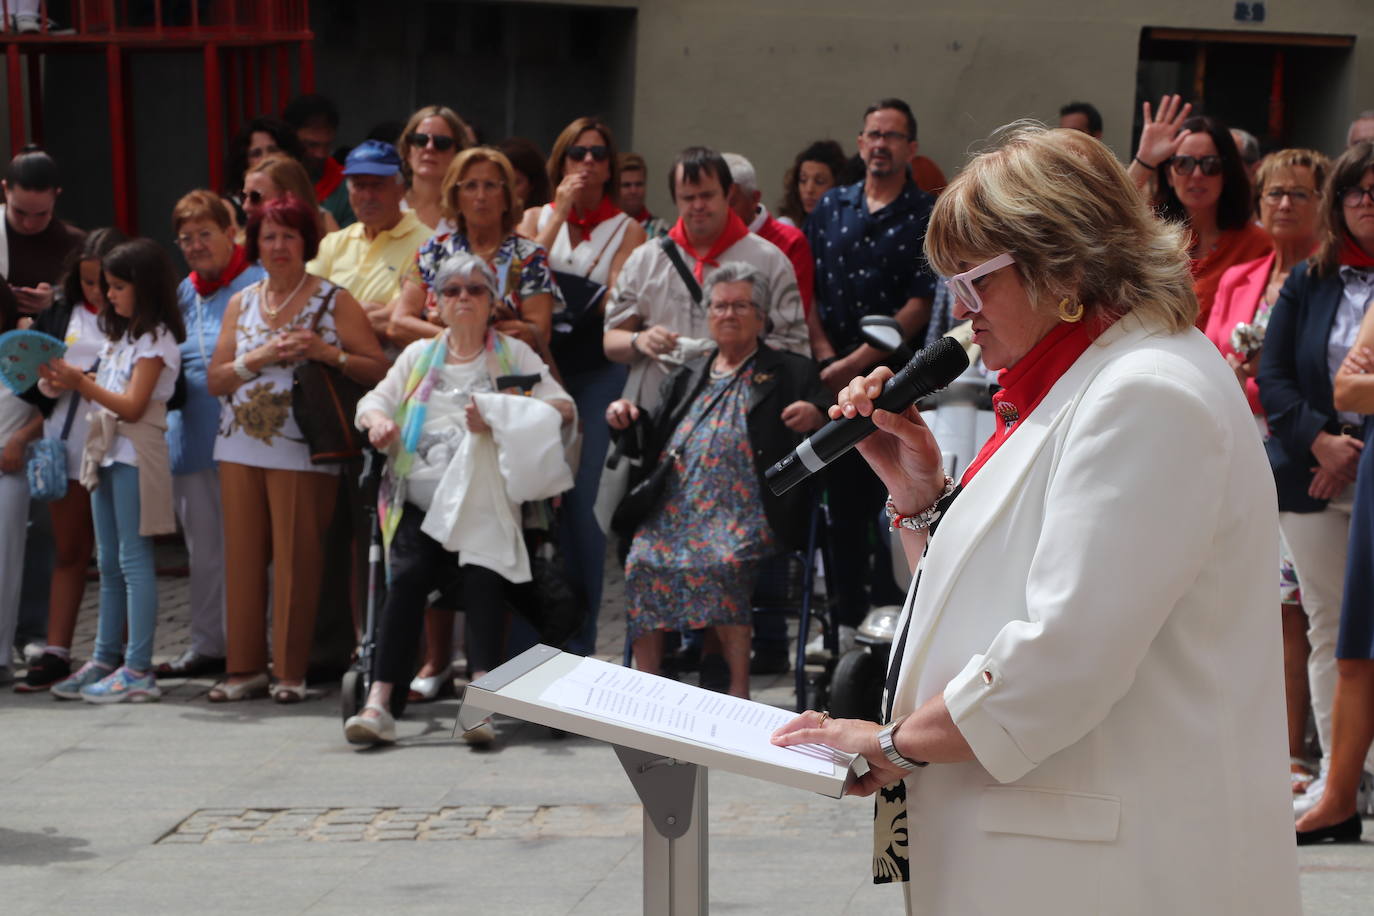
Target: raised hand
pixel 1162 134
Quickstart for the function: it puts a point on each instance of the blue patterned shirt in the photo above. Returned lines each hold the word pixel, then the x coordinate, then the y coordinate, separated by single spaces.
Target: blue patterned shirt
pixel 867 263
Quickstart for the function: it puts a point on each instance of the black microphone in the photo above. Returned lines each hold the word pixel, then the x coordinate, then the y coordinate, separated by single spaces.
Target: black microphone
pixel 929 371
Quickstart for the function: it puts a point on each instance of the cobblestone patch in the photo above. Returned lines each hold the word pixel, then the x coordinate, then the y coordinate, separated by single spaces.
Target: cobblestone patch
pixel 479 822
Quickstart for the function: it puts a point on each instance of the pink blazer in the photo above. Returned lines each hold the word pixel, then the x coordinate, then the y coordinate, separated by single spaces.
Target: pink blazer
pixel 1238 297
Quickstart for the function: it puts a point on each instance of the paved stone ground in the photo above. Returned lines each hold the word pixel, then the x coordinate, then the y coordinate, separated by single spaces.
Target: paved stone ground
pixel 184 806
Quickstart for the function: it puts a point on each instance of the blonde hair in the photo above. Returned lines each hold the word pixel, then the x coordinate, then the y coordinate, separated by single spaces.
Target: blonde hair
pixel 289 175
pixel 1062 205
pixel 200 205
pixel 1287 160
pixel 448 191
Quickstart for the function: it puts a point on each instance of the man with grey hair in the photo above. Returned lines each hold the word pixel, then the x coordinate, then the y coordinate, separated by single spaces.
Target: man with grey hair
pixel 747 201
pixel 1248 147
pixel 368 257
pixel 1361 129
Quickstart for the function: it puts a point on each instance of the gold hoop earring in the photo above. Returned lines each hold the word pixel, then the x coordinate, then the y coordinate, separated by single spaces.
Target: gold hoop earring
pixel 1070 313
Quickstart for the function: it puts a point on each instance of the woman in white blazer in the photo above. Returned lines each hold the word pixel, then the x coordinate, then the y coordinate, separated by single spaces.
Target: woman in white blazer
pixel 1079 660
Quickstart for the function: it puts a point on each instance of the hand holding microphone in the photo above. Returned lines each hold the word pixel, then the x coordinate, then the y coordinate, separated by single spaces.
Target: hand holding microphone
pixel 907 457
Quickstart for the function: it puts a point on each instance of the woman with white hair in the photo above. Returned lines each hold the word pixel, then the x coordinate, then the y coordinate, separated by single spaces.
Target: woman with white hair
pixel 441 504
pixel 722 420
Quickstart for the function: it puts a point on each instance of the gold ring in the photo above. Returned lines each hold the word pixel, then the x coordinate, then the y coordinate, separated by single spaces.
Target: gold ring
pixel 824 717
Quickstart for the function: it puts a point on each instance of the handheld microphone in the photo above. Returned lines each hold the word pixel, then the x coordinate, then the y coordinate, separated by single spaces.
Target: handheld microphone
pixel 929 371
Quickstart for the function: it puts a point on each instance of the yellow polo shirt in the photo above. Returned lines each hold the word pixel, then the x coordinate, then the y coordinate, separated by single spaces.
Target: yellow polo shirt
pixel 370 270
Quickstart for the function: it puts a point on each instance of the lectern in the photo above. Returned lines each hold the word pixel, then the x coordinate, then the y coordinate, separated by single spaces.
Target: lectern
pixel 666 735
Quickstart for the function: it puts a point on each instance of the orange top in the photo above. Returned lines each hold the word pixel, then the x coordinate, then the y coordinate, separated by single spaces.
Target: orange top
pixel 1236 246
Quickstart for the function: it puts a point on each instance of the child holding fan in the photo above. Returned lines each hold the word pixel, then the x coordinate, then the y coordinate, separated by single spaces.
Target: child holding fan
pixel 125 464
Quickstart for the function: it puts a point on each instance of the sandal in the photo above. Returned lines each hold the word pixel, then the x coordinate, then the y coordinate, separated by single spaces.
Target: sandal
pixel 286 693
pixel 225 692
pixel 1300 775
pixel 375 729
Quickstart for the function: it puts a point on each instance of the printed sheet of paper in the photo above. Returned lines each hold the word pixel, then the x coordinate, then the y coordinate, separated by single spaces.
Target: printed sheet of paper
pixel 658 704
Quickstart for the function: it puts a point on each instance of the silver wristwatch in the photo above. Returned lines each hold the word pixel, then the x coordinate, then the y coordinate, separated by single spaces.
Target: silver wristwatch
pixel 890 751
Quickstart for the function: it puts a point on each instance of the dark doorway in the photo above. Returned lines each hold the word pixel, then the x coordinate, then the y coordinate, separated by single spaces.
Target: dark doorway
pixel 510 69
pixel 1286 89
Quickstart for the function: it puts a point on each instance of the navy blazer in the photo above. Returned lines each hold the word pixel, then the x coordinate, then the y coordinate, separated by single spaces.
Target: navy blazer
pixel 1295 381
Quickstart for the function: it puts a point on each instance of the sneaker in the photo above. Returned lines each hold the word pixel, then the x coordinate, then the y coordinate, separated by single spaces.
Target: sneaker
pixel 122 686
pixel 34 651
pixel 1364 795
pixel 26 23
pixel 379 729
pixel 816 652
pixel 70 688
pixel 43 673
pixel 481 736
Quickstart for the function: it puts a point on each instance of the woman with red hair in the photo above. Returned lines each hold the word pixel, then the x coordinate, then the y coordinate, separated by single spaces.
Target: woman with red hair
pixel 277 504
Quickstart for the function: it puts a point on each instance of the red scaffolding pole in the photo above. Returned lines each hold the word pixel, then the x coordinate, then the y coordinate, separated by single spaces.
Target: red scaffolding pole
pixel 214 117
pixel 16 99
pixel 119 150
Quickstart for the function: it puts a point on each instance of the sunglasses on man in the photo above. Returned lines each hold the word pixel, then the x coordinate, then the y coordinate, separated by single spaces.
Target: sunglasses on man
pixel 440 142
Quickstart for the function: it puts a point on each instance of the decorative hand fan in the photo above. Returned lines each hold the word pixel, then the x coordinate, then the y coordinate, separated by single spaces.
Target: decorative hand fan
pixel 21 353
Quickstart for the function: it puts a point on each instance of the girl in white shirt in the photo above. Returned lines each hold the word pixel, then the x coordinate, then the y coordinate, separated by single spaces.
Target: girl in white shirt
pixel 126 465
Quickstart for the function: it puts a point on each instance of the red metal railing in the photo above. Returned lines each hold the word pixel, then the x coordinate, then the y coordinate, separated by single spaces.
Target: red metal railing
pixel 247 68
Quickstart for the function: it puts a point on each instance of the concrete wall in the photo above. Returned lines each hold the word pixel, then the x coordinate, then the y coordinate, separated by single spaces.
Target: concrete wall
pixel 764 79
pixel 759 77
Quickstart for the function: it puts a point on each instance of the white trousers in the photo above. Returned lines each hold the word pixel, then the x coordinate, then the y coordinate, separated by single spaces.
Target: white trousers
pixel 14 529
pixel 197 501
pixel 1318 542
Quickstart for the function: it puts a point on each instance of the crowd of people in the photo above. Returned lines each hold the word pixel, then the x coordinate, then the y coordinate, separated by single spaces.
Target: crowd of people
pixel 499 323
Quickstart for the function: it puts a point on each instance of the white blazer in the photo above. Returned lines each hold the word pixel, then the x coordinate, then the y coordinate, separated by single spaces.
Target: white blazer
pixel 1098 609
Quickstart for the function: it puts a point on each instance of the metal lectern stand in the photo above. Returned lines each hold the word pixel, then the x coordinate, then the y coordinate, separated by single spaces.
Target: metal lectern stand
pixel 667 772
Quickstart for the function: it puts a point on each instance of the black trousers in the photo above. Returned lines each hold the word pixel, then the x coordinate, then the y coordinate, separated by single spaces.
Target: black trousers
pixel 419 566
pixel 858 545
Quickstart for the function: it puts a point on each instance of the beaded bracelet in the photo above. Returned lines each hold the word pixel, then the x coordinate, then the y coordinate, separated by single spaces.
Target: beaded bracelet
pixel 921 520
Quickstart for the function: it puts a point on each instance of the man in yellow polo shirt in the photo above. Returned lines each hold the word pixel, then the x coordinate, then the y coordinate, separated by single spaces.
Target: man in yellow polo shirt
pixel 368 257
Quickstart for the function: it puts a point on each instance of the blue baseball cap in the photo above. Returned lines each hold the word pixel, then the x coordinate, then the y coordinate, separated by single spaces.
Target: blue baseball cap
pixel 373 157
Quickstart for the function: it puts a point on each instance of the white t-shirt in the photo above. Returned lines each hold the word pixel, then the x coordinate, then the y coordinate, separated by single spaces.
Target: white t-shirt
pixel 445 427
pixel 117 361
pixel 84 343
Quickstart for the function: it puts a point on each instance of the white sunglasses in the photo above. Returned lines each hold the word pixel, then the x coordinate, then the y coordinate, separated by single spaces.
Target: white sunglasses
pixel 961 285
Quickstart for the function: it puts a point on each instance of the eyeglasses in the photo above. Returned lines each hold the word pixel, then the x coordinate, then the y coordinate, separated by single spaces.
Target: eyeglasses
pixel 599 153
pixel 961 285
pixel 475 290
pixel 1275 196
pixel 440 142
pixel 890 136
pixel 1184 165
pixel 476 185
pixel 255 198
pixel 202 237
pixel 738 307
pixel 1353 197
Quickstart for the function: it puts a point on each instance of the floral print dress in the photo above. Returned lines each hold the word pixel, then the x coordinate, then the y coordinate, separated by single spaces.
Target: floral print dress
pixel 695 561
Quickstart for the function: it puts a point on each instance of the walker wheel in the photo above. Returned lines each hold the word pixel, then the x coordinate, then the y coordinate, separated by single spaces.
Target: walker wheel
pixel 351 698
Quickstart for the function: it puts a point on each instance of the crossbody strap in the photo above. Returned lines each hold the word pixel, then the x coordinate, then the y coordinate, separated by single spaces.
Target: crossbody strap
pixel 693 287
pixel 71 408
pixel 324 307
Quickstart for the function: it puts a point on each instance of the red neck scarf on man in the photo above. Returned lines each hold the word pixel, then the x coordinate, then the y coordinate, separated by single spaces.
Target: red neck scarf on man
pixel 238 263
pixel 734 231
pixel 589 221
pixel 1352 255
pixel 331 176
pixel 1025 384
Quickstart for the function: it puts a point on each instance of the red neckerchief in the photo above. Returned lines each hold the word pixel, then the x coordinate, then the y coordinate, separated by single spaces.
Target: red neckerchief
pixel 604 211
pixel 734 231
pixel 1025 384
pixel 643 215
pixel 1352 255
pixel 330 179
pixel 238 263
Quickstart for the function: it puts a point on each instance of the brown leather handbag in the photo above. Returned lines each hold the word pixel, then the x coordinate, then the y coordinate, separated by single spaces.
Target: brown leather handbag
pixel 324 402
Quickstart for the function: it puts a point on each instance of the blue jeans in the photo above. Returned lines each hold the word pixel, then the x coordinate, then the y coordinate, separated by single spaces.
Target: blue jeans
pixel 128 579
pixel 582 540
